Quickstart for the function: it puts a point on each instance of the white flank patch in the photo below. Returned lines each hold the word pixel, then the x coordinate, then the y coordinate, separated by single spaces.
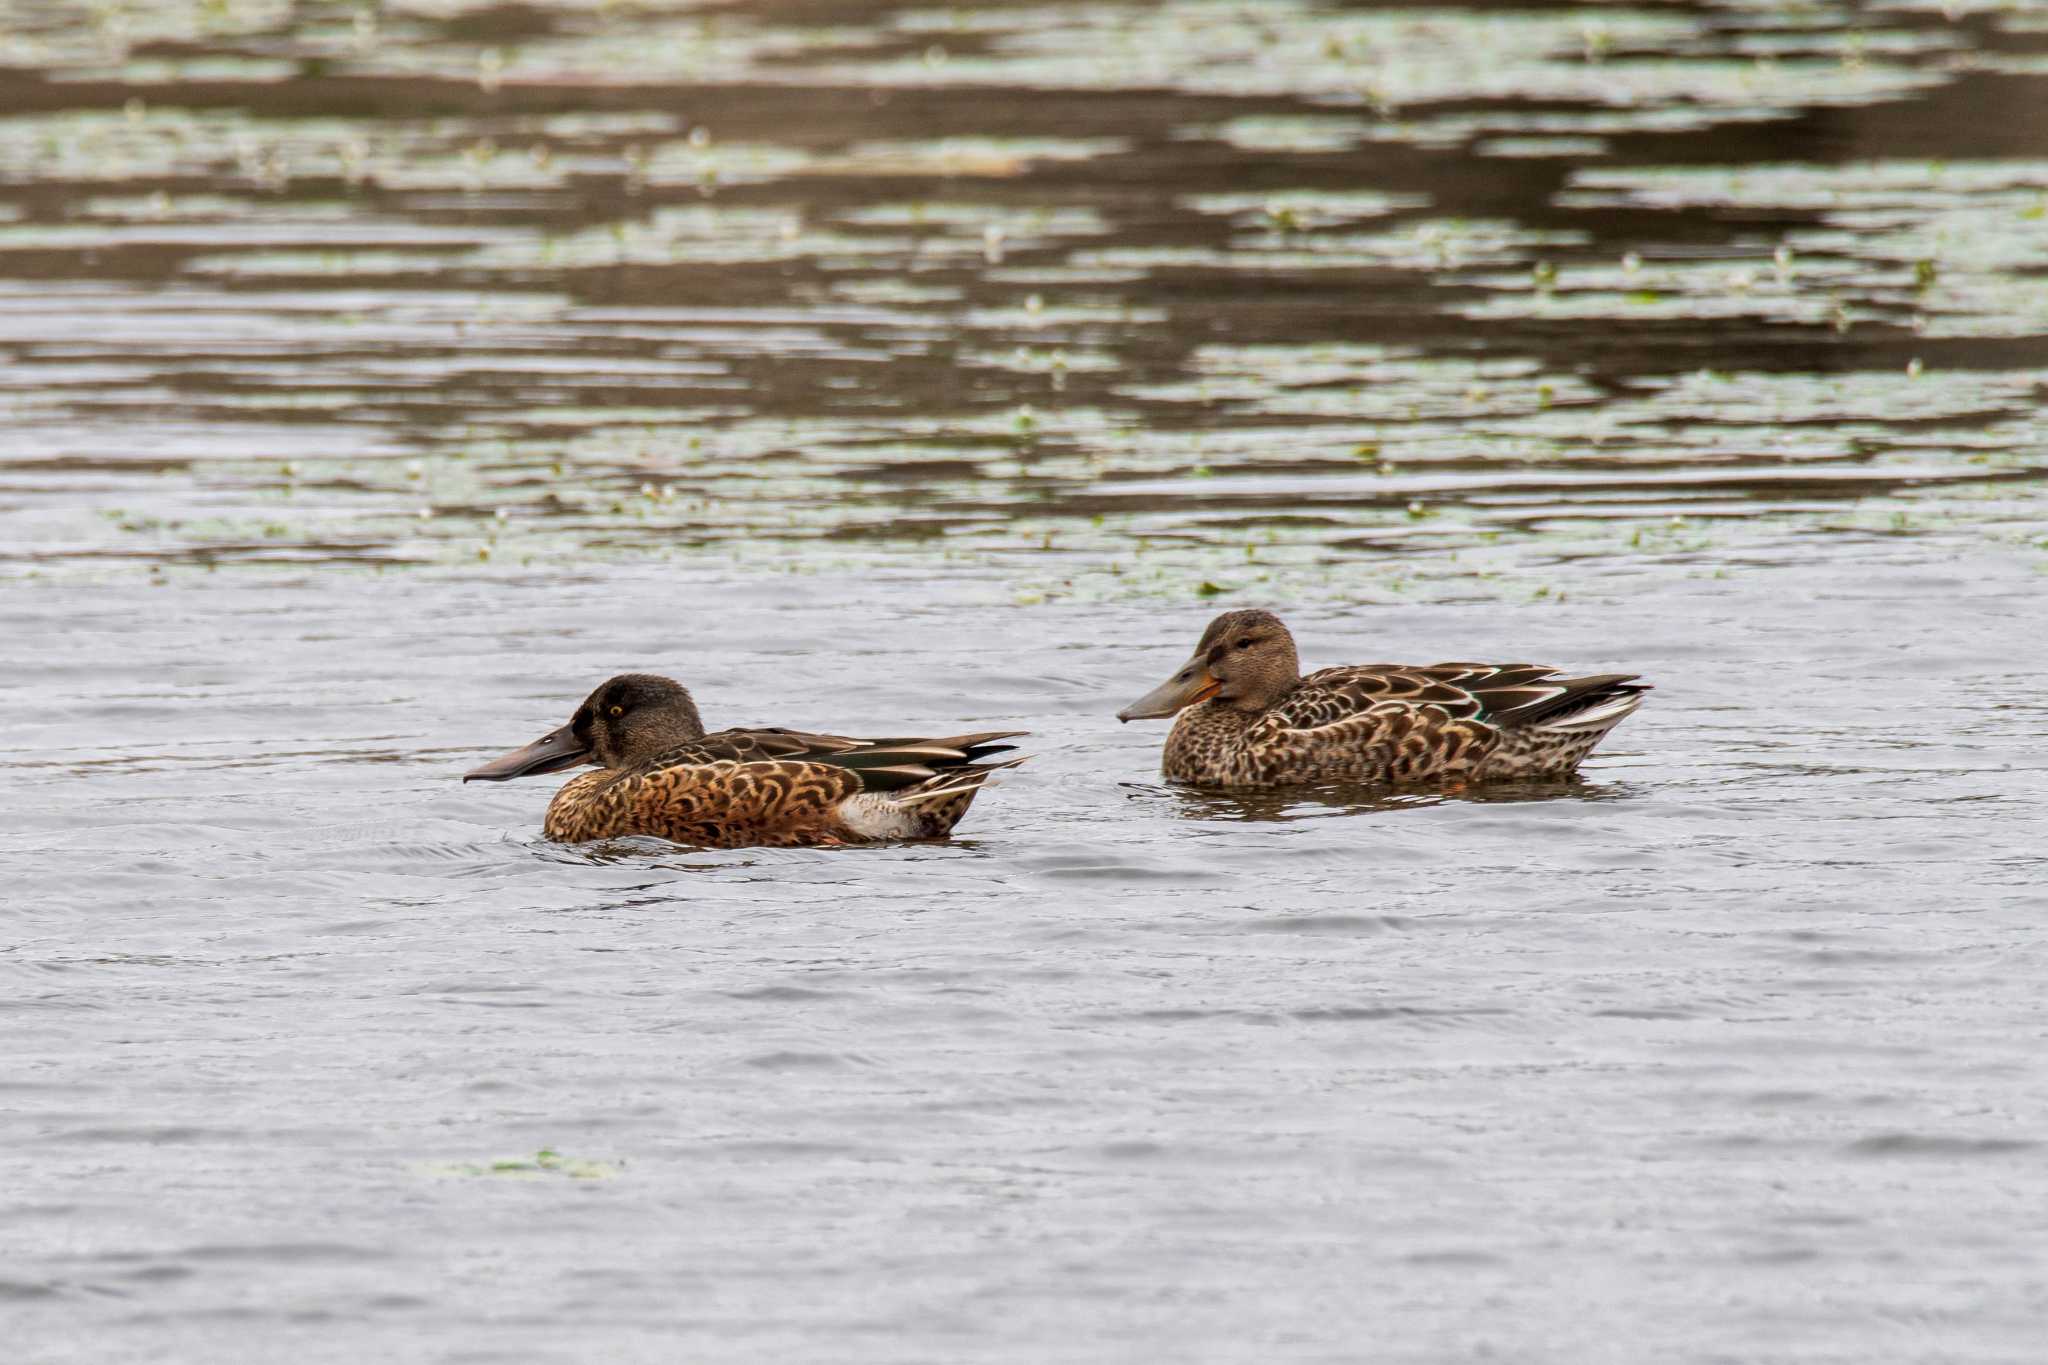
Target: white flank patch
pixel 874 816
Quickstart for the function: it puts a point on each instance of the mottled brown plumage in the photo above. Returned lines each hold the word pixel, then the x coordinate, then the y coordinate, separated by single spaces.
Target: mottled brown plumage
pixel 1248 718
pixel 659 773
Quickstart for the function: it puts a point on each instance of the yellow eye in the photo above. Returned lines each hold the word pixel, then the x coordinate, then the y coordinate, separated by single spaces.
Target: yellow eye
pixel 618 710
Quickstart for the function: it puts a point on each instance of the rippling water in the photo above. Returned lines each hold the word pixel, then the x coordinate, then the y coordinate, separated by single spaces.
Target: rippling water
pixel 379 379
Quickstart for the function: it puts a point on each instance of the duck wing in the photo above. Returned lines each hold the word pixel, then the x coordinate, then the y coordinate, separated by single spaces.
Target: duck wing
pixel 1535 696
pixel 1366 697
pixel 875 764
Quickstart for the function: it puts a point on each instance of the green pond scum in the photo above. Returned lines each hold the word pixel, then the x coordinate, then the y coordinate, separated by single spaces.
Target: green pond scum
pixel 543 1164
pixel 613 251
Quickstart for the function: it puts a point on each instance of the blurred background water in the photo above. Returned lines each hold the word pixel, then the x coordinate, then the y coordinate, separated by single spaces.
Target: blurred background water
pixel 379 378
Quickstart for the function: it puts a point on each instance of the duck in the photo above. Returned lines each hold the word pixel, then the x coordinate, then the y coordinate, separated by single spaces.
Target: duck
pixel 1247 717
pixel 659 773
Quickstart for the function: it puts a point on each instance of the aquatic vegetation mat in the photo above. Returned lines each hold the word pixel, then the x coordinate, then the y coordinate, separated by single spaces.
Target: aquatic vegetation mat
pixel 1095 298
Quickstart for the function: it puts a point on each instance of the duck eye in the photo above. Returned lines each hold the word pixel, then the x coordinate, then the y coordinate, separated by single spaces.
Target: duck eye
pixel 1245 643
pixel 618 710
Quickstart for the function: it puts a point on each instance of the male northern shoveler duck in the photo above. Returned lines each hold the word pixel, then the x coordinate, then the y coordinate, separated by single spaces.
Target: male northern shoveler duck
pixel 1248 718
pixel 659 773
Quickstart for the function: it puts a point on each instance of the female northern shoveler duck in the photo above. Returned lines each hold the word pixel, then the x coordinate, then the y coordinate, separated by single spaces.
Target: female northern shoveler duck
pixel 659 773
pixel 1248 718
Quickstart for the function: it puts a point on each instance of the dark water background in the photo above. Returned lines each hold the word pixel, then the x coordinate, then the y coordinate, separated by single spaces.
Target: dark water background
pixel 373 381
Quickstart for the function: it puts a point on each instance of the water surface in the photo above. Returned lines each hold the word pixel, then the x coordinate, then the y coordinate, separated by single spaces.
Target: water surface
pixel 379 379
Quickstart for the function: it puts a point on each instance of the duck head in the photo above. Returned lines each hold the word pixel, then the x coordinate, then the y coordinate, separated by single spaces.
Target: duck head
pixel 633 717
pixel 1246 659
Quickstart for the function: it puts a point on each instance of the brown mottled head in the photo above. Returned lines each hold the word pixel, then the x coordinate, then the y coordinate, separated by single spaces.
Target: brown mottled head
pixel 630 719
pixel 1246 659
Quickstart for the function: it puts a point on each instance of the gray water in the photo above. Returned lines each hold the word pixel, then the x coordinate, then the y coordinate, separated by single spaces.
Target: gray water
pixel 377 381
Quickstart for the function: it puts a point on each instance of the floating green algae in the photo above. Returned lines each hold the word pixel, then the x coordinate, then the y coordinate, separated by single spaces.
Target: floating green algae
pixel 542 1165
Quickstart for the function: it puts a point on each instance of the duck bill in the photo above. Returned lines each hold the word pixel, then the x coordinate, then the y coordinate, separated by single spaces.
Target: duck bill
pixel 1192 684
pixel 549 754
